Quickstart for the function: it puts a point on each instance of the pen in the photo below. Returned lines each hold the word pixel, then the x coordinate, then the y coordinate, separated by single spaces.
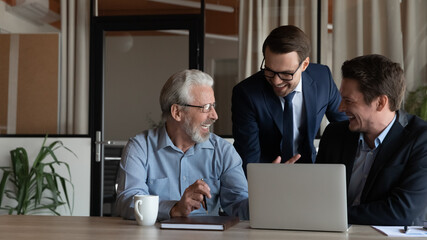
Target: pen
pixel 405 229
pixel 204 201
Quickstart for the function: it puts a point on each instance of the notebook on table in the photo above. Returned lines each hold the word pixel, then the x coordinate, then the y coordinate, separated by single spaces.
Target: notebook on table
pixel 220 223
pixel 298 196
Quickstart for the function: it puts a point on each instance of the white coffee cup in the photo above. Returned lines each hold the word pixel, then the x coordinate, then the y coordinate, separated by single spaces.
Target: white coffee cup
pixel 146 208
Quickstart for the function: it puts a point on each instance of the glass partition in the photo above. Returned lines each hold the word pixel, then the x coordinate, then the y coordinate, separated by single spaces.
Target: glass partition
pixel 137 64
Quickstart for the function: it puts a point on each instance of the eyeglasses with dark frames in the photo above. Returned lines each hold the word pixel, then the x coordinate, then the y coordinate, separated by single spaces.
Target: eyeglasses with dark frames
pixel 284 76
pixel 205 108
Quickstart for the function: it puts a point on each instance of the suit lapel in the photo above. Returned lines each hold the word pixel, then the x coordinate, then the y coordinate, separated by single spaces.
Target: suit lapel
pixel 309 90
pixel 273 105
pixel 391 142
pixel 349 153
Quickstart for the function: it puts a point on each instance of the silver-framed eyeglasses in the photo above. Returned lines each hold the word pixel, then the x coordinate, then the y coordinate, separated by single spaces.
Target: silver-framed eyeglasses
pixel 205 108
pixel 284 76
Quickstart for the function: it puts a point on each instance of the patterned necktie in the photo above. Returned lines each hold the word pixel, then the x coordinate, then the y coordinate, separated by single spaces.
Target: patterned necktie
pixel 288 129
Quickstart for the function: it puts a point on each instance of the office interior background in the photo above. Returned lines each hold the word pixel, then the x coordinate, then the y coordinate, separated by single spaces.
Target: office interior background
pixel 72 68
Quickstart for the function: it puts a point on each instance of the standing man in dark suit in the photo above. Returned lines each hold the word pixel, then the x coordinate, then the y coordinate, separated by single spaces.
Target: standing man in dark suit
pixel 384 149
pixel 265 127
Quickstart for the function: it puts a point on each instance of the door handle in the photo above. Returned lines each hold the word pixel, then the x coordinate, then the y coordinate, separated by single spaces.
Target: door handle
pixel 98 140
pixel 105 142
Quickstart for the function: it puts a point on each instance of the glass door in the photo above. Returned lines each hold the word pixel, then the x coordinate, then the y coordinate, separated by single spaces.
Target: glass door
pixel 131 59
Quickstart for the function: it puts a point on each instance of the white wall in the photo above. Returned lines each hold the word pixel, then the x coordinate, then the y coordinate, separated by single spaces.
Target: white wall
pixel 79 167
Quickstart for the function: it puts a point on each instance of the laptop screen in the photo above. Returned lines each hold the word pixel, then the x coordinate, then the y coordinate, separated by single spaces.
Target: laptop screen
pixel 298 196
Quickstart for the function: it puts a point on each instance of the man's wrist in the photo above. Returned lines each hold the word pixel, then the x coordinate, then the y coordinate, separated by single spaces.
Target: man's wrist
pixel 174 211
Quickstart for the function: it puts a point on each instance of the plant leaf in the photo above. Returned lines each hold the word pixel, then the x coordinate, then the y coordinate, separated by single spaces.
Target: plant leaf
pixel 51 207
pixel 64 187
pixel 3 183
pixel 38 183
pixel 33 188
pixel 22 198
pixel 42 153
pixel 51 186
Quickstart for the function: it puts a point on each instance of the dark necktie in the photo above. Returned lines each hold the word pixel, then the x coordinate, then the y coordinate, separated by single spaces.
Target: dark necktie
pixel 288 129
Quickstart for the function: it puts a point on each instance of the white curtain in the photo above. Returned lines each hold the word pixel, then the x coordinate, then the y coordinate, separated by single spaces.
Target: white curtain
pixel 74 87
pixel 259 17
pixel 393 28
pixel 414 28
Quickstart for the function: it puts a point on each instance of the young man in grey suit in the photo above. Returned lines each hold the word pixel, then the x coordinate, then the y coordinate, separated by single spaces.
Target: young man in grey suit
pixel 265 127
pixel 383 148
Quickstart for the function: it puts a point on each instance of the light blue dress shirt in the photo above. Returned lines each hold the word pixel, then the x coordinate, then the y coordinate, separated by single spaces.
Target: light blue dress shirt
pixel 365 156
pixel 152 164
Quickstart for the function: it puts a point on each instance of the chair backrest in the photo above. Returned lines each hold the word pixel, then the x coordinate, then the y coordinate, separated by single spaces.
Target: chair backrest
pixel 112 157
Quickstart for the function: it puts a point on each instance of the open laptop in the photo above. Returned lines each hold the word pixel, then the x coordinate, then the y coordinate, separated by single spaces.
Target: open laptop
pixel 298 196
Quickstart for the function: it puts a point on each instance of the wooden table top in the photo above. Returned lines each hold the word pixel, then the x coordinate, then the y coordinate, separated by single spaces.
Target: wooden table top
pixel 66 227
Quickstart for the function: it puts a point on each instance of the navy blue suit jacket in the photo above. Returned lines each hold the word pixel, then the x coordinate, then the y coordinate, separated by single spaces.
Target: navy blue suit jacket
pixel 257 115
pixel 395 192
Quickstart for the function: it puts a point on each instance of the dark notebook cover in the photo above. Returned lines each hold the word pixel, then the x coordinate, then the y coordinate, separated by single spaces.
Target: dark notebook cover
pixel 200 223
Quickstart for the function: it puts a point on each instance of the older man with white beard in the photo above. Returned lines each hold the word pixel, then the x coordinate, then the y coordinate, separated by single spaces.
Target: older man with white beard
pixel 182 161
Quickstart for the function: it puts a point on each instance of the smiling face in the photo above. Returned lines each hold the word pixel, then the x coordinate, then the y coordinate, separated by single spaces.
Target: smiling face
pixel 197 123
pixel 362 116
pixel 284 62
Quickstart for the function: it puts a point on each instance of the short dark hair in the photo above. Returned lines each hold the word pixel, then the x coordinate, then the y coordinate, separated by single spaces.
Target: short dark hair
pixel 377 75
pixel 286 39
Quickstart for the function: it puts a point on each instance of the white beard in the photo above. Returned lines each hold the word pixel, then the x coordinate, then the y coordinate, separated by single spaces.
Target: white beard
pixel 193 132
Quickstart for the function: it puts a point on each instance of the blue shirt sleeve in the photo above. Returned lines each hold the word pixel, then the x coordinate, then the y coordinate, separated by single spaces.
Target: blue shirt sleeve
pixel 131 180
pixel 234 186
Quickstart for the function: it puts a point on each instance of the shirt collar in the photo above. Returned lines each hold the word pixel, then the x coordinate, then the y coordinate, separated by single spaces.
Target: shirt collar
pixel 206 144
pixel 299 86
pixel 380 137
pixel 165 141
pixel 297 89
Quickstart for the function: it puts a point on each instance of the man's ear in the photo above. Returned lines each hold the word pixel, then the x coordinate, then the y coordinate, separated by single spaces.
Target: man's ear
pixel 382 102
pixel 305 64
pixel 176 112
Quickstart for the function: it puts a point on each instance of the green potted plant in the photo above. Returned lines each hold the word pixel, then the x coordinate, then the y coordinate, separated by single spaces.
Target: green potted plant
pixel 36 188
pixel 416 103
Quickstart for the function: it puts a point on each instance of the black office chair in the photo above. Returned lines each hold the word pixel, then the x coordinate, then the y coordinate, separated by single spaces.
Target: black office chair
pixel 111 167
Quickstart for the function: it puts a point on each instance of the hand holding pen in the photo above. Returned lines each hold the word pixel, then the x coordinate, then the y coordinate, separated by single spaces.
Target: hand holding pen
pixel 193 198
pixel 204 201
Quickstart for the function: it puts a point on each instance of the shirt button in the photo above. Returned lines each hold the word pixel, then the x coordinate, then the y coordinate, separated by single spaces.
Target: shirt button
pixel 184 178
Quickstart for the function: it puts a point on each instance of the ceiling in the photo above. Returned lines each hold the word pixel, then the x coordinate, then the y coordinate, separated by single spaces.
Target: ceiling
pixel 221 15
pixel 223 21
